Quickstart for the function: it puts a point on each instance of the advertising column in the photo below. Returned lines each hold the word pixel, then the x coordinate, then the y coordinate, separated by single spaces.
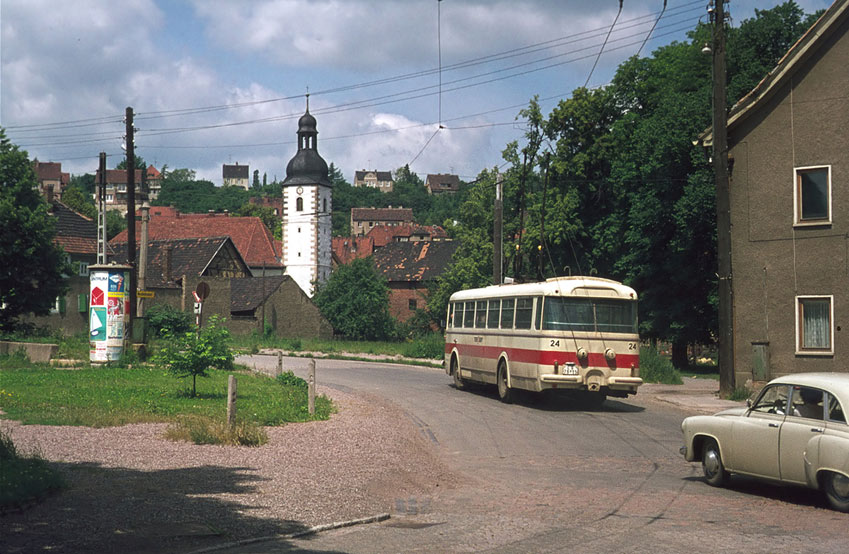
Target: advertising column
pixel 109 302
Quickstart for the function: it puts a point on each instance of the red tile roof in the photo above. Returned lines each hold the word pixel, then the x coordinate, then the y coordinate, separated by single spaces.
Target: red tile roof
pixel 414 261
pixel 75 232
pixel 384 234
pixel 251 237
pixel 47 171
pixel 117 176
pixel 347 249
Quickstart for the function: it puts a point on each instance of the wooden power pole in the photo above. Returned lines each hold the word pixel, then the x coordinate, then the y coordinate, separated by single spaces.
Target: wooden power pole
pixel 723 203
pixel 131 223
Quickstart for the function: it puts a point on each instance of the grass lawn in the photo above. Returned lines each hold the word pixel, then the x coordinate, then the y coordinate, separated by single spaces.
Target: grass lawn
pixel 104 397
pixel 429 347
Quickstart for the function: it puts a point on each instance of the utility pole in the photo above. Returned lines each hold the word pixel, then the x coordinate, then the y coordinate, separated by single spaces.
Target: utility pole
pixel 101 210
pixel 723 203
pixel 131 221
pixel 498 222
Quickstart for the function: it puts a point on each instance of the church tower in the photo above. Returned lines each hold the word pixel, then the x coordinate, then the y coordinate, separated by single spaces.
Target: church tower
pixel 307 204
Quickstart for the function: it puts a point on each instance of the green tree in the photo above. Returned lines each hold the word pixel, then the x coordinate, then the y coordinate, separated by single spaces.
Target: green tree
pixel 85 183
pixel 266 214
pixel 139 162
pixel 75 198
pixel 471 266
pixel 31 265
pixel 194 354
pixel 355 300
pixel 115 223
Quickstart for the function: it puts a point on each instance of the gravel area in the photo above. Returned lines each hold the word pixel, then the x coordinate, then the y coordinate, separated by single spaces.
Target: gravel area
pixel 131 490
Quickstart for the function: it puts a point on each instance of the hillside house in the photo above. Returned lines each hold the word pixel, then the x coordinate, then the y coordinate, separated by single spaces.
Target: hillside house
pixel 364 219
pixel 380 180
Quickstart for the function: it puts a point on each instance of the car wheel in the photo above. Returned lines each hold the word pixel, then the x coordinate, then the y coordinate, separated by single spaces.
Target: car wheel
pixel 459 384
pixel 505 393
pixel 837 491
pixel 715 473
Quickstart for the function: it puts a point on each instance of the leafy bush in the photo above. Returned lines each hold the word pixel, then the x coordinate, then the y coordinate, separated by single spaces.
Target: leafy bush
pixel 289 379
pixel 655 368
pixel 163 320
pixel 430 346
pixel 23 478
pixel 201 430
pixel 355 300
pixel 192 354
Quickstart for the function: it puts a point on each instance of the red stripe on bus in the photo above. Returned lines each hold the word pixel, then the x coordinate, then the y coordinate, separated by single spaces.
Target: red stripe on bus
pixel 541 357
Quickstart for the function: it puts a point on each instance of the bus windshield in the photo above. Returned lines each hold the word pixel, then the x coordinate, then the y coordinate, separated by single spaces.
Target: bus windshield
pixel 585 314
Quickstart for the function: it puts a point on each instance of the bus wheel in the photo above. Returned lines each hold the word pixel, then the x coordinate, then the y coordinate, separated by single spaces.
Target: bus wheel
pixel 505 393
pixel 459 384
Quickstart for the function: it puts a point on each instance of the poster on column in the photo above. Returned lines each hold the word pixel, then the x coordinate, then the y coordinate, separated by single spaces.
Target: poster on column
pixel 107 314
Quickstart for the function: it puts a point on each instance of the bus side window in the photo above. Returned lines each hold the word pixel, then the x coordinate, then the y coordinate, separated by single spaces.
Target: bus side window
pixel 480 314
pixel 451 307
pixel 538 318
pixel 469 314
pixel 524 312
pixel 508 306
pixel 492 315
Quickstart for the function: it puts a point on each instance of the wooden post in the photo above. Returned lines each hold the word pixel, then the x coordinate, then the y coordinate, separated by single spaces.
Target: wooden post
pixel 231 402
pixel 279 363
pixel 311 389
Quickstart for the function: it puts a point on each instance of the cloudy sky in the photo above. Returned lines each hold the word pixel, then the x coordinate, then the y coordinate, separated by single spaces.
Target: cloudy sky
pixel 224 81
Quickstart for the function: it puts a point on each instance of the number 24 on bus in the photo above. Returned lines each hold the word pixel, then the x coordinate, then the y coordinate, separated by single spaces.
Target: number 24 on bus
pixel 572 333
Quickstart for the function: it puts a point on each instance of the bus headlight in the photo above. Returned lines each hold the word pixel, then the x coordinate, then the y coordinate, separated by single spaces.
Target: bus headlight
pixel 581 354
pixel 609 355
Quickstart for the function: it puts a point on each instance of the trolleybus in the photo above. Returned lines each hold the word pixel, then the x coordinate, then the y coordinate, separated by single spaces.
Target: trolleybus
pixel 572 333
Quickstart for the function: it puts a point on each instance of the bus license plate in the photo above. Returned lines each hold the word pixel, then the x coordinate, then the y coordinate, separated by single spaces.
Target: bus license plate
pixel 570 370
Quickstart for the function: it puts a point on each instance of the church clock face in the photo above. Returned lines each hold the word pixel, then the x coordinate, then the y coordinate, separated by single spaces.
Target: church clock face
pixel 300 190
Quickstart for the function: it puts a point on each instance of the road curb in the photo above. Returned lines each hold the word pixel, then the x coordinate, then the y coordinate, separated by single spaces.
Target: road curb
pixel 297 534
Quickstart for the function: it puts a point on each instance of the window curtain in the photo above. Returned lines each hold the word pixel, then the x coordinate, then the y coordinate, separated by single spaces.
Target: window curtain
pixel 816 328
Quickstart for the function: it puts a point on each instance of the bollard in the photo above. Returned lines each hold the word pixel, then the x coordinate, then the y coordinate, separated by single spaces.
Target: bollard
pixel 279 363
pixel 311 389
pixel 231 402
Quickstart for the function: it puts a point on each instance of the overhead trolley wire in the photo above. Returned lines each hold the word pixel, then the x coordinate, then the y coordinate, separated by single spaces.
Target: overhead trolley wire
pixel 604 44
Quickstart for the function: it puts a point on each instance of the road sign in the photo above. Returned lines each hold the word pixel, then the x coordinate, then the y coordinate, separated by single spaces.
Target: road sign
pixel 144 294
pixel 198 306
pixel 202 290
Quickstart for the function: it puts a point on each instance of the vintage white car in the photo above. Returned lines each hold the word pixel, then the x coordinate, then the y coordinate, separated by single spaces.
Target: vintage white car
pixel 795 432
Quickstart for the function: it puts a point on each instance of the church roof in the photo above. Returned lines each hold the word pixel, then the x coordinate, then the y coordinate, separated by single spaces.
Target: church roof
pixel 307 167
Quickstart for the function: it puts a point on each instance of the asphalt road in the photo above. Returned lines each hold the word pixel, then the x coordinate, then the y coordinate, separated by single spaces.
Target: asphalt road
pixel 546 475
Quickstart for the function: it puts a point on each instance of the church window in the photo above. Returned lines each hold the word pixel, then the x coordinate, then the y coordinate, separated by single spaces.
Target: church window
pixel 299 204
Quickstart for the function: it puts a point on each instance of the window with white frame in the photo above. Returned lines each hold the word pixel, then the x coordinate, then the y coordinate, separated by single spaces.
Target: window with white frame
pixel 812 195
pixel 814 332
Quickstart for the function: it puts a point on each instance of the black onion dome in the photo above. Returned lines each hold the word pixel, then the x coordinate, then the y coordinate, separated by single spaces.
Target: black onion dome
pixel 307 167
pixel 307 122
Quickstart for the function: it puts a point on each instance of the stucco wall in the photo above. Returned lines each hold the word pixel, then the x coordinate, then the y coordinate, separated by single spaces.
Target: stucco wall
pixel 774 261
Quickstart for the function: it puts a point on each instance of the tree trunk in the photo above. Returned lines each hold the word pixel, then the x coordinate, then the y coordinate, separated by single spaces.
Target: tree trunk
pixel 679 355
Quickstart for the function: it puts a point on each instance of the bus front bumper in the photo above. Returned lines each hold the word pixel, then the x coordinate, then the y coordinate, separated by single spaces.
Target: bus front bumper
pixel 613 383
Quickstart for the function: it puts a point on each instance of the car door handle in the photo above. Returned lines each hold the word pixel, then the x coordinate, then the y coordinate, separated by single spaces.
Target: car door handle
pixel 816 430
pixel 773 425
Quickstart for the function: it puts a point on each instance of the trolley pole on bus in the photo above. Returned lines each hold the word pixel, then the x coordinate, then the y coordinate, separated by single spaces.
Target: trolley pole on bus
pixel 497 231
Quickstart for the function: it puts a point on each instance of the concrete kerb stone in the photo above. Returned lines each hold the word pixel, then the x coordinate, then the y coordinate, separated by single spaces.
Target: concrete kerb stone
pixel 297 534
pixel 698 395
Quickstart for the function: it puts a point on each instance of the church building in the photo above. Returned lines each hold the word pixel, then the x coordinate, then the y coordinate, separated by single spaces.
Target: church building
pixel 307 205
